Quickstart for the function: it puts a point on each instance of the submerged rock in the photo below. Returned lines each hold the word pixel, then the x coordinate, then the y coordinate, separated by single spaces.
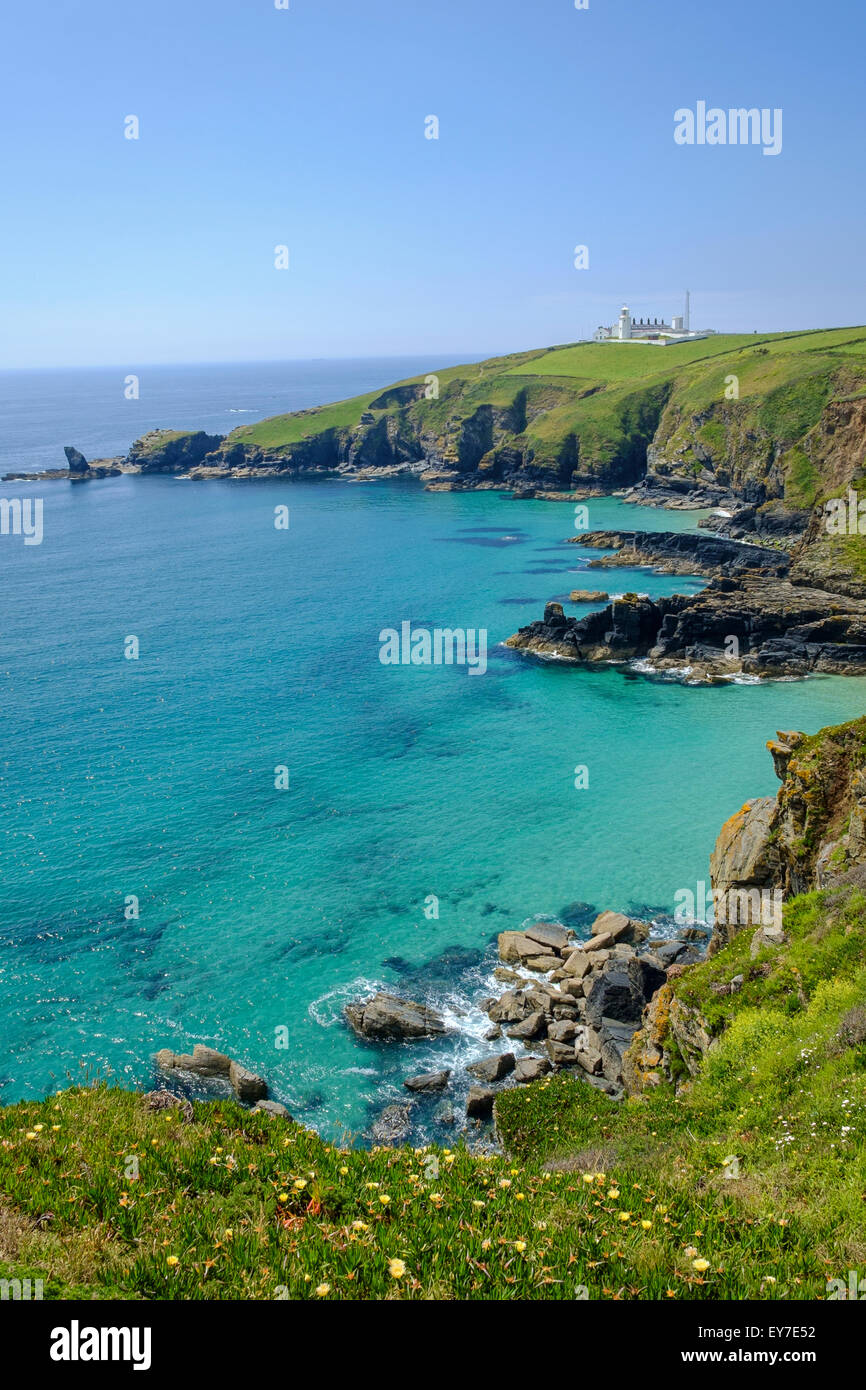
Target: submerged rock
pixel 492 1068
pixel 393 1125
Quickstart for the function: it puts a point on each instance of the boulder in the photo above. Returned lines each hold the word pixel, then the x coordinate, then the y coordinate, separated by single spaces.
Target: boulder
pixel 550 935
pixel 271 1107
pixel 506 976
pixel 518 947
pixel 598 943
pixel 511 1007
pixel 491 1069
pixel 428 1081
pixel 620 928
pixel 540 963
pixel 530 1027
pixel 577 965
pixel 616 1037
pixel 246 1085
pixel 560 1054
pixel 479 1102
pixel 589 596
pixel 563 1032
pixel 621 990
pixel 508 946
pixel 212 1065
pixel 387 1018
pixel 530 1069
pixel 203 1061
pixel 587 1051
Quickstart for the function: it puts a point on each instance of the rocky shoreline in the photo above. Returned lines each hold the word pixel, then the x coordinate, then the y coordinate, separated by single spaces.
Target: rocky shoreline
pixel 760 616
pixel 605 1008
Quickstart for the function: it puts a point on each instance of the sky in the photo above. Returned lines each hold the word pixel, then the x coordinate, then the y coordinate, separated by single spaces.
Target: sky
pixel 304 127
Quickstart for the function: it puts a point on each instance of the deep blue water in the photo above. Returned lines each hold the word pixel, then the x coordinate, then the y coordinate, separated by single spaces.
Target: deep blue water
pixel 263 908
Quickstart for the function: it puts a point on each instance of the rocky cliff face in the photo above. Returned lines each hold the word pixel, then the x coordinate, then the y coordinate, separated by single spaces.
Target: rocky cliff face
pixel 170 451
pixel 812 835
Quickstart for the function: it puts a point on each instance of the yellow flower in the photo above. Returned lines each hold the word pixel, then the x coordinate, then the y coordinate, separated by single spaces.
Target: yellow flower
pixel 219 1148
pixel 171 1259
pixel 587 1177
pixel 690 1252
pixel 520 1246
pixel 227 1234
pixel 700 1265
pixel 504 1182
pixel 38 1127
pixel 299 1184
pixel 283 1197
pixel 323 1290
pixel 344 1170
pixel 360 1226
pixel 613 1193
pixel 519 1197
pixel 396 1269
pixel 478 1204
pixel 55 1126
pixel 30 1134
pixel 485 1245
pixel 384 1199
pixel 625 1216
pixel 647 1225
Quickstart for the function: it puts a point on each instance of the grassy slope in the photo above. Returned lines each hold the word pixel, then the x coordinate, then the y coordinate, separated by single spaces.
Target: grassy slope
pixel 235 1205
pixel 603 394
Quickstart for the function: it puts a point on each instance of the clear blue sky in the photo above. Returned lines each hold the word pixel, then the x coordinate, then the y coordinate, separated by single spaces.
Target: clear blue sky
pixel 306 127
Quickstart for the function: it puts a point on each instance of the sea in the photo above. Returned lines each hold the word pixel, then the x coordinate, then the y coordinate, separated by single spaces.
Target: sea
pixel 224 830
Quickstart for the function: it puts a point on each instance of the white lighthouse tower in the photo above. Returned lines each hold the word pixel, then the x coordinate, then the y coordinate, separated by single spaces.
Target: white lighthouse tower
pixel 623 329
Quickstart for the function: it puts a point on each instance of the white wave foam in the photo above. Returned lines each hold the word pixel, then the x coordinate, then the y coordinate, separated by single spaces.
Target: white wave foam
pixel 328 1008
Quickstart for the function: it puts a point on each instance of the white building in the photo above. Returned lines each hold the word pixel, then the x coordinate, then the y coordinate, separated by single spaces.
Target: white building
pixel 629 330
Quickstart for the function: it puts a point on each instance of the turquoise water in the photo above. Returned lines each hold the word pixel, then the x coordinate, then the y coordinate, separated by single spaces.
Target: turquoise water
pixel 263 908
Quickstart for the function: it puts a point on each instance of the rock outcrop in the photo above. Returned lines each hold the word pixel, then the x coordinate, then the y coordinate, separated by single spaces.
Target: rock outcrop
pixel 813 833
pixel 207 1064
pixel 682 552
pixel 387 1018
pixel 759 626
